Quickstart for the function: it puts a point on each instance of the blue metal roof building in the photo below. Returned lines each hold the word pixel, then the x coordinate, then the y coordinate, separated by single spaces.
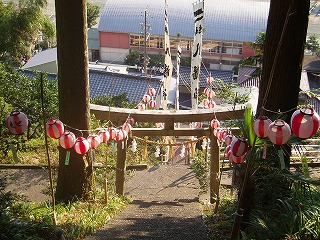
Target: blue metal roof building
pixel 230 20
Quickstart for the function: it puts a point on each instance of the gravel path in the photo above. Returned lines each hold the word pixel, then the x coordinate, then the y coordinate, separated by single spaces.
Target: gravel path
pixel 165 206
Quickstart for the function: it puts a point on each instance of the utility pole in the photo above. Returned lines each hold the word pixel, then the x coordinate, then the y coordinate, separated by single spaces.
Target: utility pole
pixel 145 27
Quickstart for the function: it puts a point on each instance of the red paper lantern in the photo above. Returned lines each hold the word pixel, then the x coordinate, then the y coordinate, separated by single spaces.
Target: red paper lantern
pixel 206 90
pixel 215 123
pixel 228 139
pixel 211 94
pixel 81 146
pixel 279 132
pixel 54 128
pixel 146 98
pixel 141 106
pixel 211 104
pixel 210 80
pixel 304 122
pixel 104 135
pixel 130 120
pixel 260 126
pixel 237 160
pixel 152 103
pixel 127 127
pixel 239 146
pixel 112 133
pixel 17 122
pixel 228 148
pixel 67 139
pixel 121 135
pixel 205 102
pixel 151 91
pixel 94 140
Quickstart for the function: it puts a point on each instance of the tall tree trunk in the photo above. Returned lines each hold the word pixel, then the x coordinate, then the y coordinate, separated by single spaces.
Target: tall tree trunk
pixel 284 88
pixel 74 178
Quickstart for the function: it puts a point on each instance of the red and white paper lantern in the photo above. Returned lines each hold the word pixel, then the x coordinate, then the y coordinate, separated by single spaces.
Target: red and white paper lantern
pixel 141 106
pixel 228 139
pixel 210 80
pixel 81 146
pixel 304 122
pixel 121 135
pixel 260 126
pixel 152 104
pixel 237 160
pixel 205 102
pixel 151 91
pixel 112 133
pixel 279 132
pixel 211 94
pixel 54 128
pixel 130 120
pixel 17 122
pixel 146 98
pixel 67 139
pixel 104 135
pixel 94 140
pixel 127 127
pixel 206 90
pixel 211 104
pixel 239 146
pixel 215 123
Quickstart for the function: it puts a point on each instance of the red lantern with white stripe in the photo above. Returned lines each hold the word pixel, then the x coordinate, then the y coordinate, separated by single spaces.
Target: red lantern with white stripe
pixel 127 127
pixel 152 104
pixel 205 102
pixel 260 126
pixel 94 140
pixel 17 122
pixel 81 146
pixel 130 120
pixel 211 104
pixel 304 122
pixel 228 139
pixel 54 128
pixel 228 148
pixel 206 90
pixel 211 94
pixel 104 135
pixel 215 123
pixel 210 80
pixel 239 146
pixel 121 135
pixel 67 139
pixel 112 133
pixel 146 98
pixel 279 132
pixel 141 106
pixel 237 160
pixel 151 91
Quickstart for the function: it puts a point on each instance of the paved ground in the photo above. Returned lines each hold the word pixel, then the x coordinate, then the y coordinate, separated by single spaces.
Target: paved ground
pixel 165 206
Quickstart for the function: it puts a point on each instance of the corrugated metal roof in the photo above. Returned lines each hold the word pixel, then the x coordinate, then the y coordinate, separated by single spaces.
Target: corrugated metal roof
pixel 230 20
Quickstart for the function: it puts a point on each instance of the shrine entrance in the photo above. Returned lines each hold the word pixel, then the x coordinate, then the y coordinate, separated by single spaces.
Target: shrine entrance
pixel 169 117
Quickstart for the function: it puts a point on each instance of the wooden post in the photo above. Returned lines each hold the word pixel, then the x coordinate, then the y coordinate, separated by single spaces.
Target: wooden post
pixel 214 169
pixel 121 166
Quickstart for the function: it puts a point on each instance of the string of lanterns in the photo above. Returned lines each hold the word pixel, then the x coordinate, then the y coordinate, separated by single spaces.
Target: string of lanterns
pixel 304 123
pixel 148 99
pixel 208 91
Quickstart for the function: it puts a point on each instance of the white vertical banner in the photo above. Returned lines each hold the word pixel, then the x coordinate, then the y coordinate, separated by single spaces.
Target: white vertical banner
pixel 198 11
pixel 177 79
pixel 167 73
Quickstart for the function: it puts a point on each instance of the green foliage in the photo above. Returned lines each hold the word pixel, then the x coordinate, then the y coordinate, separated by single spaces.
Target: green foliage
pixel 201 167
pixel 313 44
pixel 133 58
pixel 92 14
pixel 156 60
pixel 20 25
pixel 114 101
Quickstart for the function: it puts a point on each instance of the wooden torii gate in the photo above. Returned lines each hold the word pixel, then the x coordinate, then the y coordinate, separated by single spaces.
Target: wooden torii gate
pixel 169 117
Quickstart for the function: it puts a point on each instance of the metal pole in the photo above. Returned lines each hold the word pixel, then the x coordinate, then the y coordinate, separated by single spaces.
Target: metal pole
pixel 145 43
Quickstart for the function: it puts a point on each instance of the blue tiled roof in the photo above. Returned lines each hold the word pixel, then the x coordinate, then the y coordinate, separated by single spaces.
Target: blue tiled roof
pixel 225 76
pixel 231 20
pixel 113 84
